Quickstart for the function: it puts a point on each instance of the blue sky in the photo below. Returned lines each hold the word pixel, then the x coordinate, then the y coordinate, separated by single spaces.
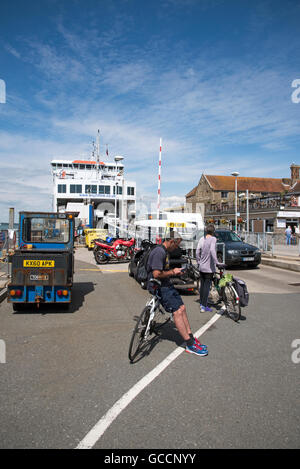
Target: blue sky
pixel 212 78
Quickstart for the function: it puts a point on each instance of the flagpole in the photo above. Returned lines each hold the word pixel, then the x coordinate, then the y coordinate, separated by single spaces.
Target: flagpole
pixel 159 180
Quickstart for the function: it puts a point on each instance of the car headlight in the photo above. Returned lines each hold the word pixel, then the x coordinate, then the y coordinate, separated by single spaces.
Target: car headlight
pixel 258 251
pixel 233 251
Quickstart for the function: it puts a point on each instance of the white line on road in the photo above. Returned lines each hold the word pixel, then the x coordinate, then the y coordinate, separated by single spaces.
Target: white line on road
pixel 103 424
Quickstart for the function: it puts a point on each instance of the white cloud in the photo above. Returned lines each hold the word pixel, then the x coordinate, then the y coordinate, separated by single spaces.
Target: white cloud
pixel 12 51
pixel 135 94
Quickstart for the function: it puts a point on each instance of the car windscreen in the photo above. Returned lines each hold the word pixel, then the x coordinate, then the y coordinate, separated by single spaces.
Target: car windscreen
pixel 46 230
pixel 227 236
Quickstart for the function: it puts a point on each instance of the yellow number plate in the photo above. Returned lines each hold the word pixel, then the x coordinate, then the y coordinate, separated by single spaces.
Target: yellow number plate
pixel 38 263
pixel 175 225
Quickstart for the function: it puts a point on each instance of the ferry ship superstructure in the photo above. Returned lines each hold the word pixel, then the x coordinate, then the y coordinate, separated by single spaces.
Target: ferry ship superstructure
pixel 99 184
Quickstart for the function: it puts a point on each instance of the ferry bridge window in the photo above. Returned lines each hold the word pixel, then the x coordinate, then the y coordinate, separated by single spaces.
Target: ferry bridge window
pixel 61 188
pixel 75 188
pixel 45 230
pixel 90 189
pixel 130 190
pixel 104 189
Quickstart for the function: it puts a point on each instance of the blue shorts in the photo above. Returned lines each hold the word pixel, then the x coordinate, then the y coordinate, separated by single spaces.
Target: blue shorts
pixel 170 299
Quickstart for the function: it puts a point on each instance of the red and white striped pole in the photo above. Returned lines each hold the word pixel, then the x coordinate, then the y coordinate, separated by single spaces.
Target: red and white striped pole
pixel 159 178
pixel 158 240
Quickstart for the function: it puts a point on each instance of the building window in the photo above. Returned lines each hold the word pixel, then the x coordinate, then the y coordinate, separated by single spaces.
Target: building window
pixel 91 189
pixel 130 190
pixel 224 194
pixel 119 190
pixel 104 189
pixel 61 188
pixel 75 188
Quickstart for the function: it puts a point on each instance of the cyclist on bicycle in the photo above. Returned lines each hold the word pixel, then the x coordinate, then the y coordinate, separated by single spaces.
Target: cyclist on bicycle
pixel 158 268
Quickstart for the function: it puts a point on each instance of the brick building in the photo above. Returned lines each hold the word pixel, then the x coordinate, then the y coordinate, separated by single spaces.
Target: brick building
pixel 274 203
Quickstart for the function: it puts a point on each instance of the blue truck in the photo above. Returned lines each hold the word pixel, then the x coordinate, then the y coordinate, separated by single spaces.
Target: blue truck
pixel 43 265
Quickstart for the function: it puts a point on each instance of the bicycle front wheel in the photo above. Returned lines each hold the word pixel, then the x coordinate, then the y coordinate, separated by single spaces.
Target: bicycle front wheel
pixel 138 336
pixel 232 304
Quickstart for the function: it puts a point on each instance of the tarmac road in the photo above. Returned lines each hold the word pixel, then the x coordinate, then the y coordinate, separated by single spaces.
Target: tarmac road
pixel 65 370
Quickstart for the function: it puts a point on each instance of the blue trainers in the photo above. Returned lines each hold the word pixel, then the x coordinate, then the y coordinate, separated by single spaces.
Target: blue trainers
pixel 198 343
pixel 201 352
pixel 206 309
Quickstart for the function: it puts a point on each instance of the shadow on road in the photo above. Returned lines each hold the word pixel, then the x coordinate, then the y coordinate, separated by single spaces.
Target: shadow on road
pixel 79 291
pixel 166 332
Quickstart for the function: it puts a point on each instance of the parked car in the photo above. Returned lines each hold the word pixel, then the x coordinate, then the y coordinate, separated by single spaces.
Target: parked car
pixel 237 252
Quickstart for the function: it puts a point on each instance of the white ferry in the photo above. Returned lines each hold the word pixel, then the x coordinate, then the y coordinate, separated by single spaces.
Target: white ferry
pixel 97 190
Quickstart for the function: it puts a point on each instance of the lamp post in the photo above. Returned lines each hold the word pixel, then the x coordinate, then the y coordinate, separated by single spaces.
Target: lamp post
pixel 235 174
pixel 117 159
pixel 247 195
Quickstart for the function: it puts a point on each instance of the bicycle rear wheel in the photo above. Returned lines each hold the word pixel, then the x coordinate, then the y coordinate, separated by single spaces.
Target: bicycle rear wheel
pixel 137 338
pixel 233 306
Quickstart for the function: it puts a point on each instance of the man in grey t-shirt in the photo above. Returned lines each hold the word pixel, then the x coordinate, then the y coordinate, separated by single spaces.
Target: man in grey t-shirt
pixel 158 268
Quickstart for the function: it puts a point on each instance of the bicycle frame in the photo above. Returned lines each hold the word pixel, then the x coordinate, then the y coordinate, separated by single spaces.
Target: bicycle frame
pixel 154 304
pixel 230 284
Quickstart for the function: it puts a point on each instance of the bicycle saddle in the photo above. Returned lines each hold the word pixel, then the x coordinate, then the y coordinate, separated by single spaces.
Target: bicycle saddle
pixel 154 280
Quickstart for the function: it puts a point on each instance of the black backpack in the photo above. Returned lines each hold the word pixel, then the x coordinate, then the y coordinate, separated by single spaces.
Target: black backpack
pixel 242 291
pixel 141 274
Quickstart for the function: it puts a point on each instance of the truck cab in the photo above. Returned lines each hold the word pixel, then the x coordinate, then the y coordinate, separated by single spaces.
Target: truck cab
pixel 43 265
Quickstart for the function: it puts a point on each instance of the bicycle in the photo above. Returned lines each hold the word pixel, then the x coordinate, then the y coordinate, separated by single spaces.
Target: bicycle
pixel 226 294
pixel 151 319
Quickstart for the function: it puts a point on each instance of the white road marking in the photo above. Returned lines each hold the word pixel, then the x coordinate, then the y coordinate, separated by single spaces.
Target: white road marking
pixel 103 424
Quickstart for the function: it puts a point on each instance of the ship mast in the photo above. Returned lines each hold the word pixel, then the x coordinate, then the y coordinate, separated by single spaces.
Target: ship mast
pixel 98 147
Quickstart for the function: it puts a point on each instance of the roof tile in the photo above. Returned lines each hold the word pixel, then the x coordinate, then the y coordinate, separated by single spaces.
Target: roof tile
pixel 253 184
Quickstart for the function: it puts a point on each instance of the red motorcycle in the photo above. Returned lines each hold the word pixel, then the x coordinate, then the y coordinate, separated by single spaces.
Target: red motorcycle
pixel 113 249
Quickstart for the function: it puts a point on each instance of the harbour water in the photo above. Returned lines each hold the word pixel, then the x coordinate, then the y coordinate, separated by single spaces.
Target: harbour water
pixel 4 226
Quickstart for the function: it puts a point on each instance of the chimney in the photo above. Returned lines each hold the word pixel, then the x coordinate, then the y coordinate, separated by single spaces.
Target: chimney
pixel 295 170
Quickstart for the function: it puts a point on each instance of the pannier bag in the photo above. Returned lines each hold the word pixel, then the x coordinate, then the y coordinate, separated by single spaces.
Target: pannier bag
pixel 242 291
